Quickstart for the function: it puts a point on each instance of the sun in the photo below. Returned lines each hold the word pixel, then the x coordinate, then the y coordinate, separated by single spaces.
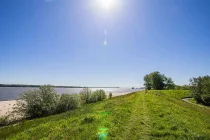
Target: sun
pixel 107 4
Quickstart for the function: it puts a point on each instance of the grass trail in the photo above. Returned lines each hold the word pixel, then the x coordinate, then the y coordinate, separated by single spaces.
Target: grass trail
pixel 139 120
pixel 152 115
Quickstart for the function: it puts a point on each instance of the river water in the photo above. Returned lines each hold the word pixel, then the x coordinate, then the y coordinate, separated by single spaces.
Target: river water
pixel 12 93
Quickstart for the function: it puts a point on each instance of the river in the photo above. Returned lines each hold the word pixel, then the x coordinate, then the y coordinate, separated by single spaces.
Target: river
pixel 12 93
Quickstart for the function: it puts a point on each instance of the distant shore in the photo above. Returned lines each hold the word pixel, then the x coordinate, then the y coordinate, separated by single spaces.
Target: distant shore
pixel 17 85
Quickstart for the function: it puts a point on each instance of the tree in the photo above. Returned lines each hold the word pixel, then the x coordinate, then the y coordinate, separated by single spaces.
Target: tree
pixel 200 88
pixel 177 87
pixel 185 87
pixel 169 83
pixel 147 83
pixel 158 81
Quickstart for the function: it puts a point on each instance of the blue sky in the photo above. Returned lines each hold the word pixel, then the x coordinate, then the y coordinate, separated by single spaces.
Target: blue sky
pixel 60 42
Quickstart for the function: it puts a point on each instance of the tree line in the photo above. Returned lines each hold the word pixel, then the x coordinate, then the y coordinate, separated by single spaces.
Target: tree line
pixel 158 81
pixel 37 86
pixel 199 87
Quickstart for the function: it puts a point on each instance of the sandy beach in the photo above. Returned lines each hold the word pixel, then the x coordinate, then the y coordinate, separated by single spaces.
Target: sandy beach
pixel 119 94
pixel 6 106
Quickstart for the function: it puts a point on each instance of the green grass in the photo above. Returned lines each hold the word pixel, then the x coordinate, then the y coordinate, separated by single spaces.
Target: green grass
pixel 152 115
pixel 192 100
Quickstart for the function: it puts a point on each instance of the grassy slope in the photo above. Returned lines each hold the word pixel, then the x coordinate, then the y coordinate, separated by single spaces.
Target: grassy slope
pixel 152 115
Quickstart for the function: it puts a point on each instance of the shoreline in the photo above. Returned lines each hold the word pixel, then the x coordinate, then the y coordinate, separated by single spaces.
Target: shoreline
pixel 6 106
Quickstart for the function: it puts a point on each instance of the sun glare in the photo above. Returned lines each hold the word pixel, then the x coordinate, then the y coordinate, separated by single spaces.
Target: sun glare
pixel 107 4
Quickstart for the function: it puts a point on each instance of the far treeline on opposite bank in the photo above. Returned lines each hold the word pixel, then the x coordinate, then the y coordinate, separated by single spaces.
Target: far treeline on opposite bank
pixel 23 85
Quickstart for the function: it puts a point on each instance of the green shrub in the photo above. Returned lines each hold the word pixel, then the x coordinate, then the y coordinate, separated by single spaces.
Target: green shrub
pixel 110 95
pixel 101 95
pixel 38 103
pixel 68 102
pixel 45 101
pixel 177 87
pixel 93 98
pixel 206 98
pixel 184 87
pixel 4 120
pixel 97 95
pixel 90 97
pixel 85 95
pixel 200 88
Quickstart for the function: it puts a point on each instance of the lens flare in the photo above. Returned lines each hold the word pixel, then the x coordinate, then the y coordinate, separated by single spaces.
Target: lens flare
pixel 105 42
pixel 107 4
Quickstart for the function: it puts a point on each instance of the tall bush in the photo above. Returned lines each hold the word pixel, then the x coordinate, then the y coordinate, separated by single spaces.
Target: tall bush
pixel 85 94
pixel 45 101
pixel 101 94
pixel 110 95
pixel 38 103
pixel 68 102
pixel 200 88
pixel 97 95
